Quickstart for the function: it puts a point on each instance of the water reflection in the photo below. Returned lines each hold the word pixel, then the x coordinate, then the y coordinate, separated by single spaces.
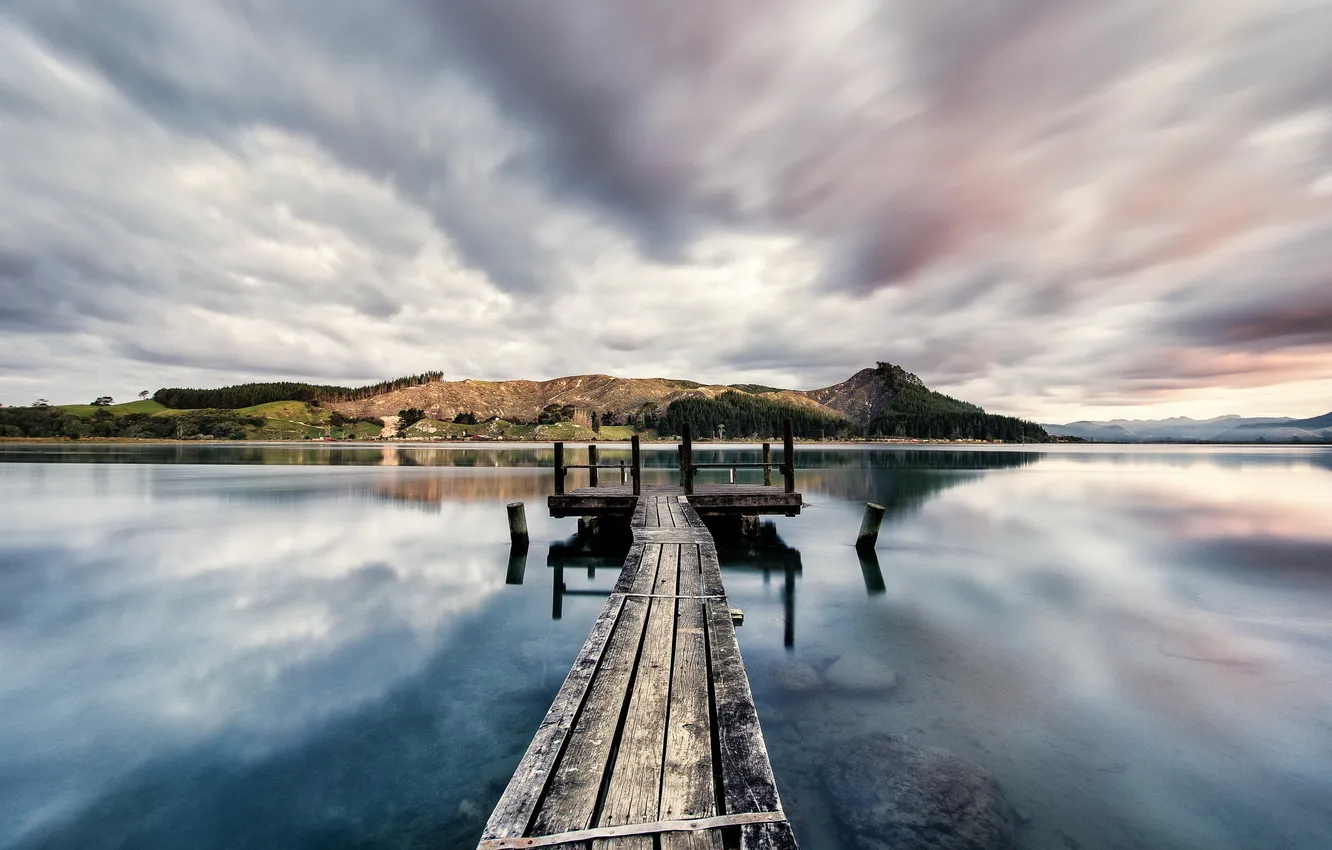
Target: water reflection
pixel 763 552
pixel 1134 642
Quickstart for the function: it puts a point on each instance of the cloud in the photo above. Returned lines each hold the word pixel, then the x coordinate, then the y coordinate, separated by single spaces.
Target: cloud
pixel 1006 199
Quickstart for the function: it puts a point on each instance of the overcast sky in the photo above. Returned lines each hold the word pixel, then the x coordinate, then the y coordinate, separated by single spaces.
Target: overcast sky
pixel 1055 208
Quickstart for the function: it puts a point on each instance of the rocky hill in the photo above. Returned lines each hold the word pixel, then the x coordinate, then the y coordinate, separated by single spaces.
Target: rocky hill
pixel 523 401
pixel 870 393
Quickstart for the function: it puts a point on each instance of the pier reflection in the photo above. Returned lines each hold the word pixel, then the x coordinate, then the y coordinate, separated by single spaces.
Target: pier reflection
pixel 764 552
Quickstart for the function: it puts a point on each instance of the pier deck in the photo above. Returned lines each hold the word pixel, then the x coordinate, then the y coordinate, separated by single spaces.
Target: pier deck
pixel 653 740
pixel 735 499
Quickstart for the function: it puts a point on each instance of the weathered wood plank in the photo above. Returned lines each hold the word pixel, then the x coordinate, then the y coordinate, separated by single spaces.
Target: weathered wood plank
pixel 670 535
pixel 677 513
pixel 687 787
pixel 747 779
pixel 767 836
pixel 575 783
pixel 634 792
pixel 664 517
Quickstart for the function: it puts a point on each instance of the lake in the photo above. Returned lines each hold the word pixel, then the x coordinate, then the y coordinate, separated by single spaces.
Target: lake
pixel 225 646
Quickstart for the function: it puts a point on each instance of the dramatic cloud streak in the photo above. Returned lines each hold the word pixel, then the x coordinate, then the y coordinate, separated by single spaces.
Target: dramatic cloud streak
pixel 1053 208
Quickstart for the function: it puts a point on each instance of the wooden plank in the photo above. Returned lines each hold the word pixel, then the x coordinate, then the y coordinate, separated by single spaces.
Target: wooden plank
pixel 687 787
pixel 634 792
pixel 575 784
pixel 669 535
pixel 747 779
pixel 678 518
pixel 767 836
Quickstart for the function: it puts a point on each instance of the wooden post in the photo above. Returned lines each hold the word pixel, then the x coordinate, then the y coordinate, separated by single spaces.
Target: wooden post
pixel 592 466
pixel 869 526
pixel 687 459
pixel 517 525
pixel 637 460
pixel 788 454
pixel 767 464
pixel 732 474
pixel 559 469
pixel 624 473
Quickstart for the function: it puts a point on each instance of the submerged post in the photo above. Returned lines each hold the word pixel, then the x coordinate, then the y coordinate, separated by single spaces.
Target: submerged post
pixel 591 466
pixel 559 469
pixel 869 526
pixel 624 473
pixel 788 454
pixel 687 458
pixel 767 464
pixel 517 525
pixel 637 461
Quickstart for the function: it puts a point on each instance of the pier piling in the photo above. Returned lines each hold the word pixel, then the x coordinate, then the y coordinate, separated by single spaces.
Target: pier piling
pixel 869 526
pixel 518 525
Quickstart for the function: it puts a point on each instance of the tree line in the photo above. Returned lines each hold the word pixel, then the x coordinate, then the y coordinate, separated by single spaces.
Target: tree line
pixel 248 395
pixel 54 422
pixel 744 415
pixel 945 425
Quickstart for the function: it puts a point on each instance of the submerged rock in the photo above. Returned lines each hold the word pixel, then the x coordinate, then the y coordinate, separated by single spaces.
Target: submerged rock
pixel 859 673
pixel 892 795
pixel 795 677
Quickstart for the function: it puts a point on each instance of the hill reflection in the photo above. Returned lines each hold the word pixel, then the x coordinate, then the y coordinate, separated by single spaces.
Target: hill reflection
pixel 901 481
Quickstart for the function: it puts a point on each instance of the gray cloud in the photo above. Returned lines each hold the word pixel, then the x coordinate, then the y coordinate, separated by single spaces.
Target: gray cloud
pixel 1005 198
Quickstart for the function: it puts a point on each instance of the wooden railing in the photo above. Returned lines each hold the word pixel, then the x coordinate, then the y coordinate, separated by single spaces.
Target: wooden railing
pixel 688 467
pixel 787 467
pixel 594 466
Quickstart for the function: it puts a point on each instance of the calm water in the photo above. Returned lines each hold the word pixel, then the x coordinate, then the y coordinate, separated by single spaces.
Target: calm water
pixel 242 646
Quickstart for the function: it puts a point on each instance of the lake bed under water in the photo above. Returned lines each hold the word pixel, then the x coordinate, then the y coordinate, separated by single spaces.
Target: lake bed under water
pixel 316 646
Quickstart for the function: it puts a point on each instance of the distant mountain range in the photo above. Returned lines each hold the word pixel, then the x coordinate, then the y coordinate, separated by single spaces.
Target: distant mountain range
pixel 1182 429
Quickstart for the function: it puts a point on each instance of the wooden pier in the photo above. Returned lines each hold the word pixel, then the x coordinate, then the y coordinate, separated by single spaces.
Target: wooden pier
pixel 653 741
pixel 708 499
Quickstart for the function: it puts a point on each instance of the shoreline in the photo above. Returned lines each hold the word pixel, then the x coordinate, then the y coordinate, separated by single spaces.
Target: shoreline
pixel 426 443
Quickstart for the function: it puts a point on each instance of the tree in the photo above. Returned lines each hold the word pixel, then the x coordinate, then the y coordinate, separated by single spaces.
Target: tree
pixel 409 417
pixel 465 417
pixel 144 394
pixel 596 423
pixel 103 401
pixel 553 414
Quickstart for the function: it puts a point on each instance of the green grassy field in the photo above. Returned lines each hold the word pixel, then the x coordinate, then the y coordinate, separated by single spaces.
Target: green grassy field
pixel 296 411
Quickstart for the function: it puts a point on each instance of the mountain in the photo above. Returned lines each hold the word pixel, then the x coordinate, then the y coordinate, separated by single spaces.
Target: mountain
pixel 1317 429
pixel 886 401
pixel 1182 429
pixel 889 401
pixel 870 392
pixel 1101 432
